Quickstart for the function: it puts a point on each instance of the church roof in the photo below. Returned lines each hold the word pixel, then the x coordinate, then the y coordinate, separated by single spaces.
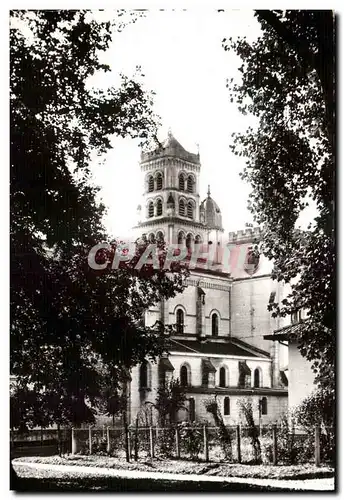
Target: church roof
pixel 211 347
pixel 170 147
pixel 171 142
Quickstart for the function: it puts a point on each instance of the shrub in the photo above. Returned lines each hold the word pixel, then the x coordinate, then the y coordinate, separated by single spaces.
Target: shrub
pixel 246 410
pixel 170 399
pixel 317 409
pixel 166 444
pixel 289 446
pixel 223 433
pixel 191 438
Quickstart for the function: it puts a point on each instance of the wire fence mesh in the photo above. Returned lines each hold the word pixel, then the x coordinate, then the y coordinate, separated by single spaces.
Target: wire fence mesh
pixel 259 444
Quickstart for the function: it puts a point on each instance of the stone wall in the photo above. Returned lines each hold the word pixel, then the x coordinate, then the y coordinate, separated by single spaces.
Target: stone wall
pixel 300 376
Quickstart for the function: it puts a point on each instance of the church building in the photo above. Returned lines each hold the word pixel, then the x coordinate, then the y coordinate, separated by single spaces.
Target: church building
pixel 217 347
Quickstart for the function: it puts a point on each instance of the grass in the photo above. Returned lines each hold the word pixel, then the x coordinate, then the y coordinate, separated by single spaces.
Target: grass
pixel 292 472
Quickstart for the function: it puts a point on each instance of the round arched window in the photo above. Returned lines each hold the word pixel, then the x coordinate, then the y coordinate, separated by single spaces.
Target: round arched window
pixel 226 406
pixel 150 183
pixel 180 321
pixel 190 184
pixel 190 210
pixel 256 377
pixel 182 208
pixel 214 324
pixel 183 376
pixel 159 182
pixel 222 376
pixel 159 207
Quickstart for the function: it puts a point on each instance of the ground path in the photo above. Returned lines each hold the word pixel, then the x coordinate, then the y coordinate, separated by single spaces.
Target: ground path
pixel 322 484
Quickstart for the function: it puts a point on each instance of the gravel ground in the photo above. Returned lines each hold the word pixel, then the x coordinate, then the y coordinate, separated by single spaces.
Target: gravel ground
pixel 303 471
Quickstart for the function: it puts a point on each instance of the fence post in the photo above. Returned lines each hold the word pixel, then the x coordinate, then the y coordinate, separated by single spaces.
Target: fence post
pixel 238 440
pixel 151 442
pixel 177 443
pixel 274 445
pixel 59 440
pixel 12 438
pixel 136 444
pixel 108 443
pixel 206 447
pixel 126 442
pixel 129 442
pixel 317 446
pixel 74 442
pixel 90 439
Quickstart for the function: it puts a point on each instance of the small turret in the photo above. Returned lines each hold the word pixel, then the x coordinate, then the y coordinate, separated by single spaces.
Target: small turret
pixel 211 211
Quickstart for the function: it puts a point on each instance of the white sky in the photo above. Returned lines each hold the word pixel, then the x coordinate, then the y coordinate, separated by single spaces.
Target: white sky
pixel 182 58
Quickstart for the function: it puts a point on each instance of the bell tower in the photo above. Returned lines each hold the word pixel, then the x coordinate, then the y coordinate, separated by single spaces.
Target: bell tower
pixel 171 200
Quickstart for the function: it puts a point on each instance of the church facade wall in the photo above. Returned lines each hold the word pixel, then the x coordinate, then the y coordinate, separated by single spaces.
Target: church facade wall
pixel 276 399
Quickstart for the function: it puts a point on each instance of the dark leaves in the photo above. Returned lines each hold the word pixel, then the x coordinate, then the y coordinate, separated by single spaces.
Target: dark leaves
pixel 289 157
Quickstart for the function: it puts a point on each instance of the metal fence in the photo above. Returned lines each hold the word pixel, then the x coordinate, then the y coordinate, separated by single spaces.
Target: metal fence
pixel 265 444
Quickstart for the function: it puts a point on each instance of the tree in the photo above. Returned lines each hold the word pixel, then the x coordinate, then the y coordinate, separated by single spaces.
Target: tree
pixel 288 85
pixel 318 409
pixel 73 329
pixel 246 410
pixel 212 407
pixel 170 399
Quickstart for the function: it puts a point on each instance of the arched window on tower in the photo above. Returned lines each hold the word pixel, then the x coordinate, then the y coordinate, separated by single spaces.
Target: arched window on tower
pixel 159 207
pixel 222 377
pixel 189 241
pixel 256 377
pixel 150 183
pixel 151 209
pixel 198 240
pixel 190 210
pixel 181 182
pixel 180 321
pixel 180 238
pixel 190 184
pixel 151 238
pixel 214 324
pixel 184 376
pixel 182 208
pixel 226 406
pixel 160 236
pixel 159 182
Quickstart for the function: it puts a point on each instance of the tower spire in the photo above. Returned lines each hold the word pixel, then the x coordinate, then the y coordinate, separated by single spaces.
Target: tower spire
pixel 208 191
pixel 169 133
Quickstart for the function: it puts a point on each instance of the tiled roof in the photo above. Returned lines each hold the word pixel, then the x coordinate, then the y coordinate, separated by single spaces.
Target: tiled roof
pixel 209 347
pixel 289 332
pixel 170 147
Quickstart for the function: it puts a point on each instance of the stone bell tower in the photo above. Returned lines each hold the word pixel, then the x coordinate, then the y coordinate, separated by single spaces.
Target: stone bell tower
pixel 171 208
